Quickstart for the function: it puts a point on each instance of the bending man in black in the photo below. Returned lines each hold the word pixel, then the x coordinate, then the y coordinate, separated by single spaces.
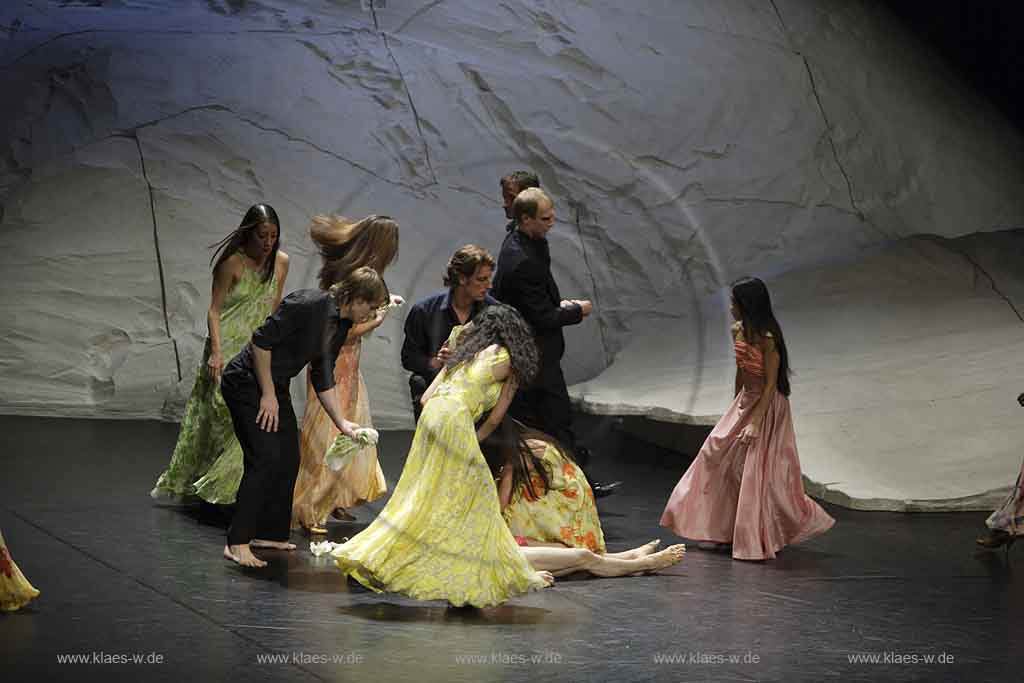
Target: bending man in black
pixel 524 281
pixel 429 323
pixel 309 327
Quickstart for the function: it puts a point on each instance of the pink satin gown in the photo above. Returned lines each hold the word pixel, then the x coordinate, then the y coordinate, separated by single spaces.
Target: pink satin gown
pixel 749 495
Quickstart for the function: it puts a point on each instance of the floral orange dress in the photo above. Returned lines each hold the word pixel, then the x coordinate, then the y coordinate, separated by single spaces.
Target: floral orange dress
pixel 15 590
pixel 567 513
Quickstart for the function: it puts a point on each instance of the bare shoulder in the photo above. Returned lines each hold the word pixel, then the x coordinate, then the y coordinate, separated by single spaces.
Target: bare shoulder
pixel 231 266
pixel 282 258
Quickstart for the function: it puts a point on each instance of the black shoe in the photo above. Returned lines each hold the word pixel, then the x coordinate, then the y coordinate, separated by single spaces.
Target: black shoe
pixel 601 489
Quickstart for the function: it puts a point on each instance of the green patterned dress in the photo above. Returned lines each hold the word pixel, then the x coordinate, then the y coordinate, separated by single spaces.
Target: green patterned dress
pixel 207 460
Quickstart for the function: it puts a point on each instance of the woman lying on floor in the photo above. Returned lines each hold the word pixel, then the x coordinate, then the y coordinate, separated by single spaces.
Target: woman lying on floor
pixel 549 507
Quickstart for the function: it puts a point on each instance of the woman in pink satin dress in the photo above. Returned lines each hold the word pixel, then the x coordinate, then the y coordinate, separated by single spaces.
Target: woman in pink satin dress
pixel 744 488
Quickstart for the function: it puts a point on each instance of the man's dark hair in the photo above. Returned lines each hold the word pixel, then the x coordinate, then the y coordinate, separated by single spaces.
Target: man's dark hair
pixel 521 179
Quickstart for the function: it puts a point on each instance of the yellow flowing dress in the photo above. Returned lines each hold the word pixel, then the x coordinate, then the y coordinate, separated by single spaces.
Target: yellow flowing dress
pixel 15 590
pixel 441 535
pixel 567 513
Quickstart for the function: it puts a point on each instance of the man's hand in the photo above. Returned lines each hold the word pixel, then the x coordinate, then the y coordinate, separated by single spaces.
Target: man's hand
pixel 348 428
pixel 267 417
pixel 584 305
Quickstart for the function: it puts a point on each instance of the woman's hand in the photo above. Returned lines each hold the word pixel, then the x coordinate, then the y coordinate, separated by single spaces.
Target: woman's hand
pixel 749 434
pixel 266 418
pixel 378 318
pixel 216 366
pixel 438 361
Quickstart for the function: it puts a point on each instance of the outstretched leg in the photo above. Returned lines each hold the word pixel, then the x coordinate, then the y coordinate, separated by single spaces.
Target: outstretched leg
pixel 561 561
pixel 641 551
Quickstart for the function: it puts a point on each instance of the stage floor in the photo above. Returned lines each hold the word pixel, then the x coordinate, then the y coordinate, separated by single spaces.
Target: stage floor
pixel 124 577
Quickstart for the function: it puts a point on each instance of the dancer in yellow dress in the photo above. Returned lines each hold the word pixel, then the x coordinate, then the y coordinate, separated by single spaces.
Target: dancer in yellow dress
pixel 441 536
pixel 15 590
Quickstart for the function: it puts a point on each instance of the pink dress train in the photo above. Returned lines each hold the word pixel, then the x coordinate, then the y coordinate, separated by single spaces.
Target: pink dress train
pixel 749 495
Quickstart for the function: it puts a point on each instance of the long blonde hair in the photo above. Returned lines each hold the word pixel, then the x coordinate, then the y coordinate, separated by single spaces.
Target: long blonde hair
pixel 345 245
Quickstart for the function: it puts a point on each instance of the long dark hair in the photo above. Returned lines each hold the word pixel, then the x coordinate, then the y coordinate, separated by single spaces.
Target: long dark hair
pixel 500 324
pixel 755 307
pixel 257 215
pixel 508 444
pixel 345 245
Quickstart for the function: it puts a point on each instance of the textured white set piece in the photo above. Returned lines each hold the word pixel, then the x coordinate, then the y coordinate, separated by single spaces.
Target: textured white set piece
pixel 685 143
pixel 907 362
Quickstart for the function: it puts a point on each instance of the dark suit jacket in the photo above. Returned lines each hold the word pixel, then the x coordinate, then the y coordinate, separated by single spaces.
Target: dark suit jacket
pixel 524 281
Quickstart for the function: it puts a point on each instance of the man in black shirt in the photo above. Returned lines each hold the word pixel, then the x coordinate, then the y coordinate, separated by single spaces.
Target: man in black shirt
pixel 430 322
pixel 524 281
pixel 308 328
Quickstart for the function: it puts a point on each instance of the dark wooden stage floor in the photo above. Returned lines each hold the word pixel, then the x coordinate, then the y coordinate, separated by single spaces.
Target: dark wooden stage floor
pixel 121 575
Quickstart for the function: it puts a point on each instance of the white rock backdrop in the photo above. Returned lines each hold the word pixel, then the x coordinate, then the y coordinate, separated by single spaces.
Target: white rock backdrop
pixel 685 142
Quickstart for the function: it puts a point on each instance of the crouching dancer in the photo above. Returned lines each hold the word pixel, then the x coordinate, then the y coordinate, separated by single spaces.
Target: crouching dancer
pixel 308 328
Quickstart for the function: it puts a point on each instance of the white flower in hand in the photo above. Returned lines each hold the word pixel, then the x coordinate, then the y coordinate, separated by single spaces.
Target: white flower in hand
pixel 345 446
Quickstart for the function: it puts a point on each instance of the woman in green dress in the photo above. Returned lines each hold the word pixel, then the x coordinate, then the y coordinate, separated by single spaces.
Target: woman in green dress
pixel 249 270
pixel 441 535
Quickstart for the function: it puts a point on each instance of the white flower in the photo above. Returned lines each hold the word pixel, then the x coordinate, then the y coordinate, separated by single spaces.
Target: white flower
pixel 345 447
pixel 323 547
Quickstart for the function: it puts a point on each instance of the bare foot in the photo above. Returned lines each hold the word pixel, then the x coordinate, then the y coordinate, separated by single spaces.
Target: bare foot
pixel 649 548
pixel 547 577
pixel 276 545
pixel 666 558
pixel 242 555
pixel 636 553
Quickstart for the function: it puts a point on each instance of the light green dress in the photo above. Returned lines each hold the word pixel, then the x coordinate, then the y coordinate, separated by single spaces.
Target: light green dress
pixel 207 460
pixel 441 535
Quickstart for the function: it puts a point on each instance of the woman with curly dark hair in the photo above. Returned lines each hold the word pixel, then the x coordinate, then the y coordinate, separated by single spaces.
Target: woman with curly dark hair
pixel 441 536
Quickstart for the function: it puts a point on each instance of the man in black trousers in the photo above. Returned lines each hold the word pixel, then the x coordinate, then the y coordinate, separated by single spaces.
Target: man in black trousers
pixel 308 328
pixel 524 281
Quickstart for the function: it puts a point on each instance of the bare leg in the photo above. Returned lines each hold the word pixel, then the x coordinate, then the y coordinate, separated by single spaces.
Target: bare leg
pixel 243 556
pixel 643 551
pixel 560 561
pixel 275 545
